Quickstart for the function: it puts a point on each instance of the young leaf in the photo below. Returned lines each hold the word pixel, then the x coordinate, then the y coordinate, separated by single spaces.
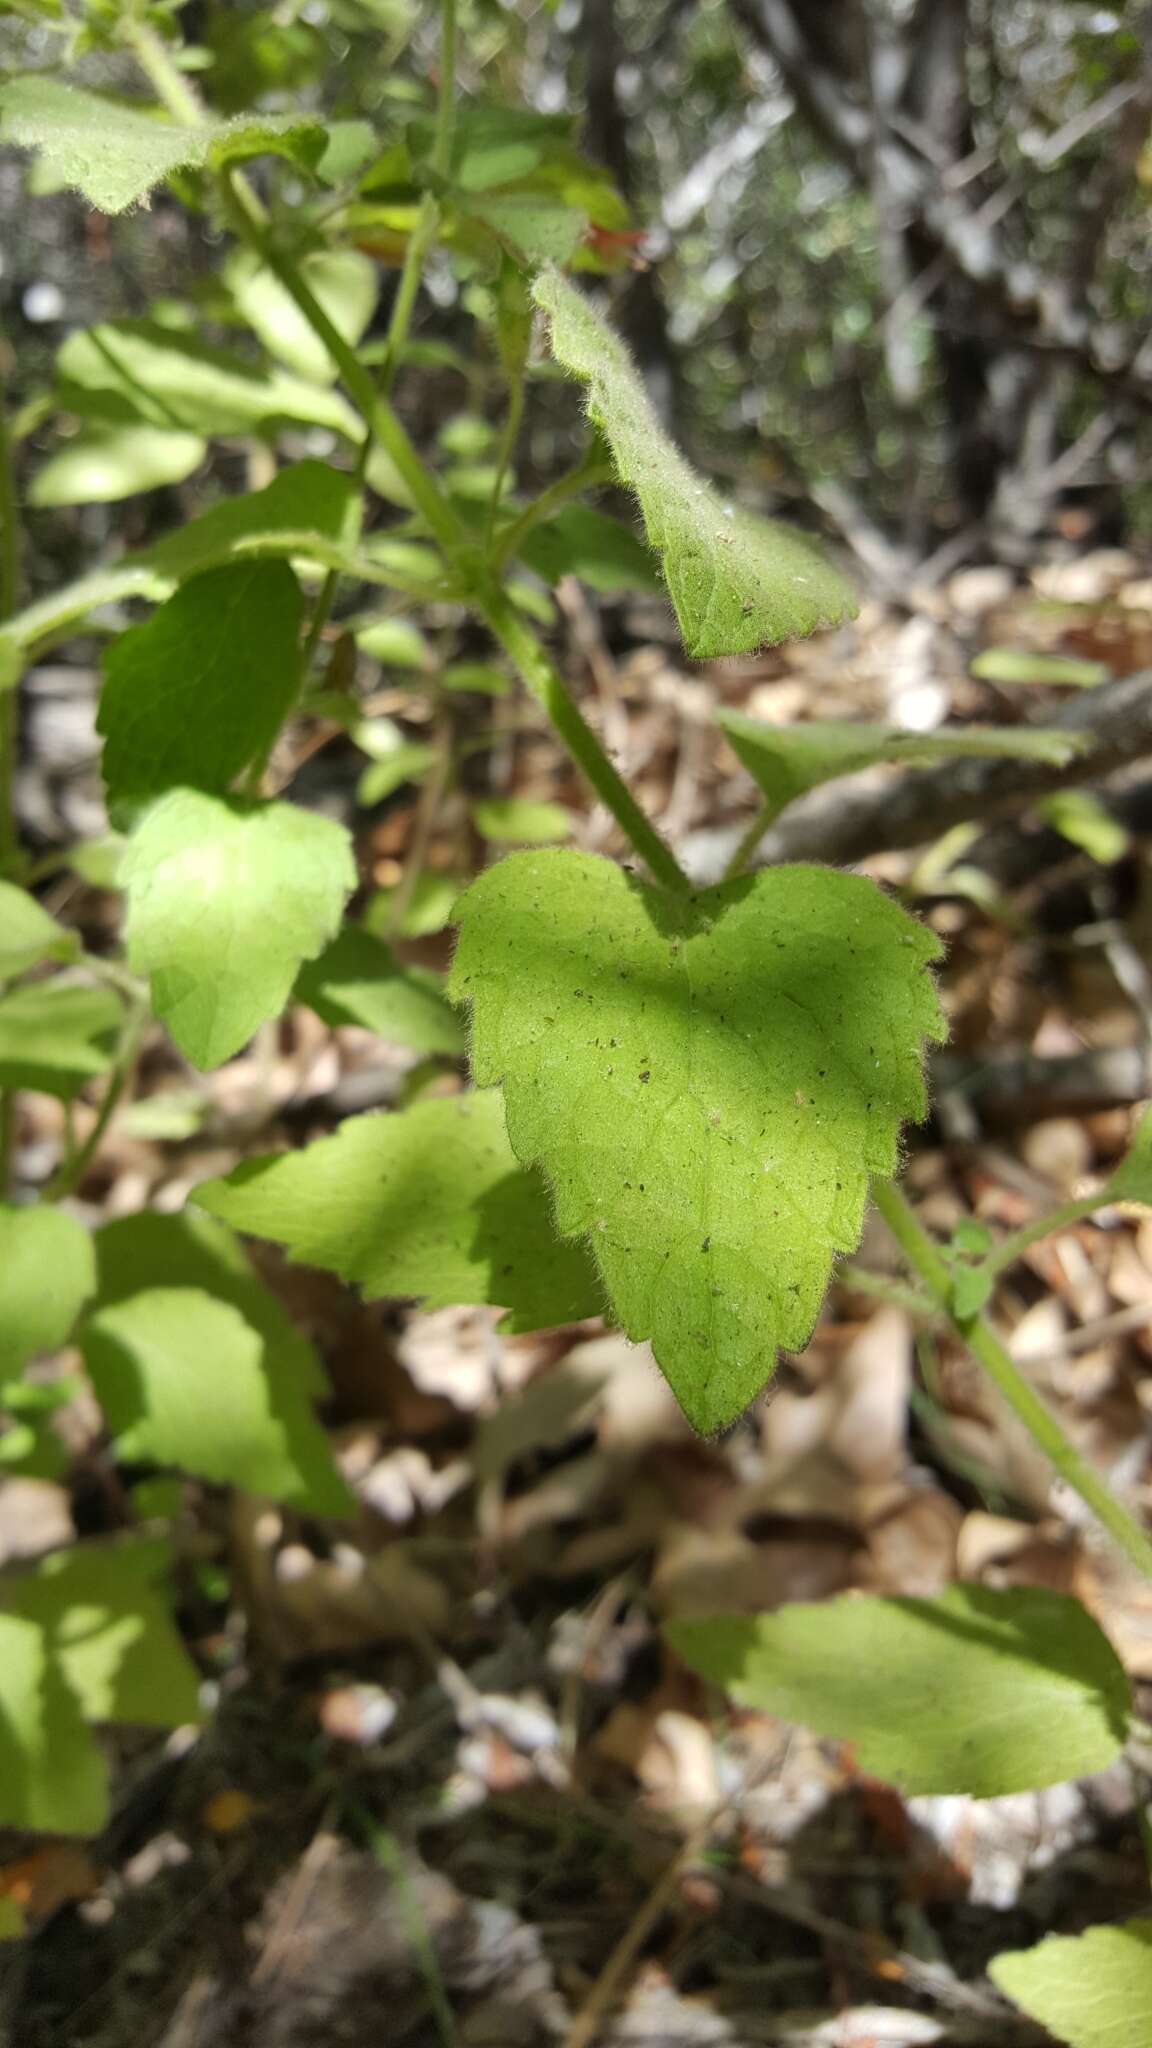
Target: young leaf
pixel 225 902
pixel 103 463
pixel 430 1203
pixel 520 820
pixel 202 687
pixel 736 581
pixel 786 760
pixel 49 1271
pixel 1025 665
pixel 344 282
pixel 357 980
pixel 108 1623
pixel 708 1084
pixel 139 369
pixel 55 1037
pixel 1091 1990
pixel 307 498
pixel 51 1772
pixel 28 934
pixel 197 1365
pixel 602 552
pixel 1084 822
pixel 115 153
pixel 980 1690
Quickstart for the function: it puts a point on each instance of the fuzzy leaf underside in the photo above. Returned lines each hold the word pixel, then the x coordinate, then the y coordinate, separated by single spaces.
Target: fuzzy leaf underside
pixel 984 1690
pixel 708 1083
pixel 429 1204
pixel 1092 1990
pixel 115 153
pixel 788 760
pixel 736 581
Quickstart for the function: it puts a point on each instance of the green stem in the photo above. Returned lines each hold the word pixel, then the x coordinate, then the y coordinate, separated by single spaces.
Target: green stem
pixel 170 86
pixel 423 233
pixel 509 436
pixel 750 840
pixel 70 1175
pixel 9 729
pixel 251 223
pixel 1019 1241
pixel 593 468
pixel 550 692
pixel 1005 1374
pixel 9 599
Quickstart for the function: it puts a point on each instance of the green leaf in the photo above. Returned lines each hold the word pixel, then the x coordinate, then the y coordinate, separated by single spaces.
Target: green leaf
pixel 983 1690
pixel 602 552
pixel 971 1287
pixel 49 1271
pixel 396 642
pixel 51 1772
pixel 736 581
pixel 430 1204
pixel 101 464
pixel 98 861
pixel 536 226
pixel 708 1083
pixel 1082 819
pixel 55 1037
pixel 429 907
pixel 202 688
pixel 523 820
pixel 225 903
pixel 306 498
pixel 344 282
pixel 787 760
pixel 406 762
pixel 1091 1990
pixel 475 675
pixel 28 934
pixel 357 980
pixel 114 152
pixel 141 370
pixel 197 1365
pixel 109 1625
pixel 1132 1180
pixel 1024 665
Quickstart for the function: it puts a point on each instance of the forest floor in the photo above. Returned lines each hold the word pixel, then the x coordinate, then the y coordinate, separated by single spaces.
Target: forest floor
pixel 456 1790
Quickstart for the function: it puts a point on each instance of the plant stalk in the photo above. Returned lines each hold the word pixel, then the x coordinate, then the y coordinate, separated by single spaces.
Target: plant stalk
pixel 551 693
pixel 987 1349
pixel 9 725
pixel 250 221
pixel 1019 1241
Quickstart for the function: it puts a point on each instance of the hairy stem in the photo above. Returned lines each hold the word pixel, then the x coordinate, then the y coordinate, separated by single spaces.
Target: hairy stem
pixel 70 1175
pixel 250 221
pixel 986 1348
pixel 1019 1241
pixel 549 690
pixel 750 840
pixel 9 727
pixel 592 468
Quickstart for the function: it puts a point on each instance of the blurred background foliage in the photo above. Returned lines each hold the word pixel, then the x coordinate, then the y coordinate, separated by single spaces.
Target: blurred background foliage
pixel 888 263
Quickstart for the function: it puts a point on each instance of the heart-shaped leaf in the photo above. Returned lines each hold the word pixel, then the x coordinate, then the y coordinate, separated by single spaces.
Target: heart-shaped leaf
pixel 707 1081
